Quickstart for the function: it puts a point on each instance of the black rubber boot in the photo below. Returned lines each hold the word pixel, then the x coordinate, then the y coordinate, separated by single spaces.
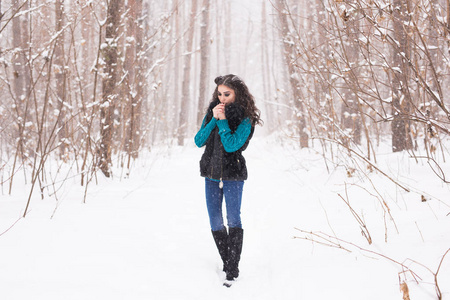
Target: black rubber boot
pixel 235 239
pixel 221 239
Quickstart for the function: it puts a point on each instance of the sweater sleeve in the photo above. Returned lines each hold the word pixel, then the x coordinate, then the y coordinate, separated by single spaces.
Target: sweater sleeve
pixel 234 141
pixel 203 134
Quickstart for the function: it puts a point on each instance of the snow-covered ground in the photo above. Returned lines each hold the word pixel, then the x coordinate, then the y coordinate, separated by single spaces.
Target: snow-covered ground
pixel 148 236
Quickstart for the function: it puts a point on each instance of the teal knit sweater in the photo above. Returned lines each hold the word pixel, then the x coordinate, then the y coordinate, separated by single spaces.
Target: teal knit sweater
pixel 231 141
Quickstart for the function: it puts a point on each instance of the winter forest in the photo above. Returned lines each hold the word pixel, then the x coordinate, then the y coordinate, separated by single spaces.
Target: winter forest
pixel 91 91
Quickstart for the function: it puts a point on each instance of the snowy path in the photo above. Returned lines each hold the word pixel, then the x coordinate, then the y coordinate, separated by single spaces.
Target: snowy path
pixel 148 237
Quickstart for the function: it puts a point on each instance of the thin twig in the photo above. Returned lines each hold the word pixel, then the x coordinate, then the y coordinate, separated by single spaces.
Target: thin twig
pixel 11 226
pixel 362 224
pixel 329 238
pixel 438 290
pixel 419 231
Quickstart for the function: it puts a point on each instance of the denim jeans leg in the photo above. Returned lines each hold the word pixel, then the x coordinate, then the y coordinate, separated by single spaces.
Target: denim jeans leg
pixel 233 199
pixel 214 199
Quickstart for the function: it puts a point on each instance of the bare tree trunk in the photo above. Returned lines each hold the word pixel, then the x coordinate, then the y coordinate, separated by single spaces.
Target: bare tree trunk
pixel 19 74
pixel 19 61
pixel 204 64
pixel 186 95
pixel 265 69
pixel 322 84
pixel 26 51
pixel 401 99
pixel 433 43
pixel 226 34
pixel 293 76
pixel 177 101
pixel 219 28
pixel 428 107
pixel 139 82
pixel 60 77
pixel 120 114
pixel 146 57
pixel 351 119
pixel 129 88
pixel 21 83
pixel 86 34
pixel 109 97
pixel 90 52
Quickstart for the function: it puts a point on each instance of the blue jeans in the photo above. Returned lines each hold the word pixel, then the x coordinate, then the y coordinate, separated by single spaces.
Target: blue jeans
pixel 232 190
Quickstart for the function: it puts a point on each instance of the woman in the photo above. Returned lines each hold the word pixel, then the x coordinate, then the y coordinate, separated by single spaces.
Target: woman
pixel 226 131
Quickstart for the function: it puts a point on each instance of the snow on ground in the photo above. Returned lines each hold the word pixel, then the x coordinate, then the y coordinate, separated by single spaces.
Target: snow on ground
pixel 148 236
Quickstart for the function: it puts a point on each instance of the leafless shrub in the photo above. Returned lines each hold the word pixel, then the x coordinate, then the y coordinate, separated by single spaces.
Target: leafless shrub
pixel 335 242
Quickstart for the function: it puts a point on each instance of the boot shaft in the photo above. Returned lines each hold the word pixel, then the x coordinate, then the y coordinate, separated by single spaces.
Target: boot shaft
pixel 221 239
pixel 235 241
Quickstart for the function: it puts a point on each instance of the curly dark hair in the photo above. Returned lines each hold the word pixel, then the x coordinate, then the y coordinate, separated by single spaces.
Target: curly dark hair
pixel 243 96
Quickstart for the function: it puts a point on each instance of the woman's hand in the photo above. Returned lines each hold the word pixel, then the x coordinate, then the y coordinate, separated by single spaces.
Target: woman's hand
pixel 219 111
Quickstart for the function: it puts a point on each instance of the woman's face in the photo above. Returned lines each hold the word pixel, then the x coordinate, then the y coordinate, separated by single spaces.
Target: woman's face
pixel 226 94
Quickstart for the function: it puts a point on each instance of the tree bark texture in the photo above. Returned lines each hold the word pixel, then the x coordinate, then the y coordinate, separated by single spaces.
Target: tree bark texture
pixel 401 98
pixel 21 76
pixel 351 119
pixel 60 77
pixel 140 81
pixel 177 92
pixel 293 77
pixel 129 74
pixel 109 91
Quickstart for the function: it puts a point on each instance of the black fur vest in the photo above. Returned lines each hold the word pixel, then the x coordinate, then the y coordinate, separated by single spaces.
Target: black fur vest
pixel 216 163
